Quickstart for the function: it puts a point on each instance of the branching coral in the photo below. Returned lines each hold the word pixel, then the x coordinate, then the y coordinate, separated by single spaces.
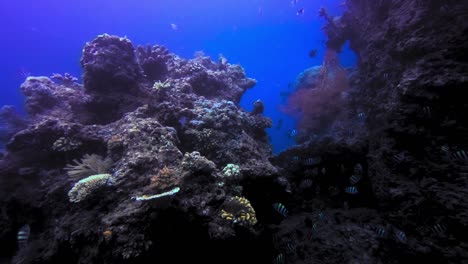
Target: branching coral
pixel 238 210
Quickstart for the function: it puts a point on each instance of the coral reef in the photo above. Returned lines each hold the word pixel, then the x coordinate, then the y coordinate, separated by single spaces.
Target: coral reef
pixel 189 175
pixel 127 202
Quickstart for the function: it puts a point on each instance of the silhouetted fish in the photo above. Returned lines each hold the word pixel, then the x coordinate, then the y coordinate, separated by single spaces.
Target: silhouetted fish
pixel 313 53
pixel 279 124
pixel 300 12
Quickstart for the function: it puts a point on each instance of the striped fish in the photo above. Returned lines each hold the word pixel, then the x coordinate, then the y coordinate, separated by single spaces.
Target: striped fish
pixel 305 184
pixel 358 169
pixel 23 235
pixel 351 190
pixel 280 208
pixel 439 229
pixel 381 232
pixel 354 179
pixel 400 235
pixel 460 156
pixel 279 259
pixel 322 216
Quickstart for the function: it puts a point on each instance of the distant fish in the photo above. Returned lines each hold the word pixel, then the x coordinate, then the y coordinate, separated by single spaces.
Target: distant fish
pixel 313 53
pixel 400 235
pixel 279 259
pixel 322 216
pixel 358 169
pixel 312 161
pixel 351 190
pixel 354 179
pixel 174 27
pixel 294 2
pixel 291 247
pixel 280 208
pixel 381 232
pixel 460 156
pixel 300 12
pixel 260 11
pixel 361 116
pixel 222 60
pixel 183 121
pixel 23 73
pixel 292 133
pixel 305 184
pixel 23 235
pixel 279 124
pixel 439 229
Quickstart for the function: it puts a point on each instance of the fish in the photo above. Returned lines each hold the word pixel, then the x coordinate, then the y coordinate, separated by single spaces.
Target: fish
pixel 292 133
pixel 279 124
pixel 361 116
pixel 312 161
pixel 305 184
pixel 381 232
pixel 460 156
pixel 291 247
pixel 294 2
pixel 322 216
pixel 427 111
pixel 174 27
pixel 313 53
pixel 300 12
pixel 260 11
pixel 222 60
pixel 439 229
pixel 400 235
pixel 23 235
pixel 279 259
pixel 354 179
pixel 358 169
pixel 281 209
pixel 351 190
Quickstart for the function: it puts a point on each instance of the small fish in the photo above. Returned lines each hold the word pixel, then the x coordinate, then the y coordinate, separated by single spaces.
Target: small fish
pixel 279 124
pixel 361 116
pixel 358 169
pixel 23 235
pixel 313 53
pixel 295 158
pixel 381 232
pixel 427 111
pixel 460 156
pixel 400 235
pixel 291 248
pixel 260 11
pixel 183 121
pixel 222 60
pixel 351 190
pixel 399 158
pixel 306 184
pixel 315 227
pixel 300 12
pixel 280 208
pixel 292 133
pixel 322 216
pixel 439 229
pixel 294 2
pixel 279 259
pixel 354 179
pixel 312 161
pixel 174 27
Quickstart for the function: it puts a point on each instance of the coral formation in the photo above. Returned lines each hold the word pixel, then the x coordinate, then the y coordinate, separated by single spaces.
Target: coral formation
pixel 87 186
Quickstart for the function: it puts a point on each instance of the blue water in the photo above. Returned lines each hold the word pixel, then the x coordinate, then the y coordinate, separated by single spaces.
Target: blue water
pixel 265 36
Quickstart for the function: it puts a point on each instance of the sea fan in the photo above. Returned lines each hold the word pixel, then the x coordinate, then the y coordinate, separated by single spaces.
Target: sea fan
pixel 90 165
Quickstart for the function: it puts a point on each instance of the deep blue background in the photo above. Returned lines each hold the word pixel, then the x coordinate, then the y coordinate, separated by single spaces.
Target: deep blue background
pixel 45 37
